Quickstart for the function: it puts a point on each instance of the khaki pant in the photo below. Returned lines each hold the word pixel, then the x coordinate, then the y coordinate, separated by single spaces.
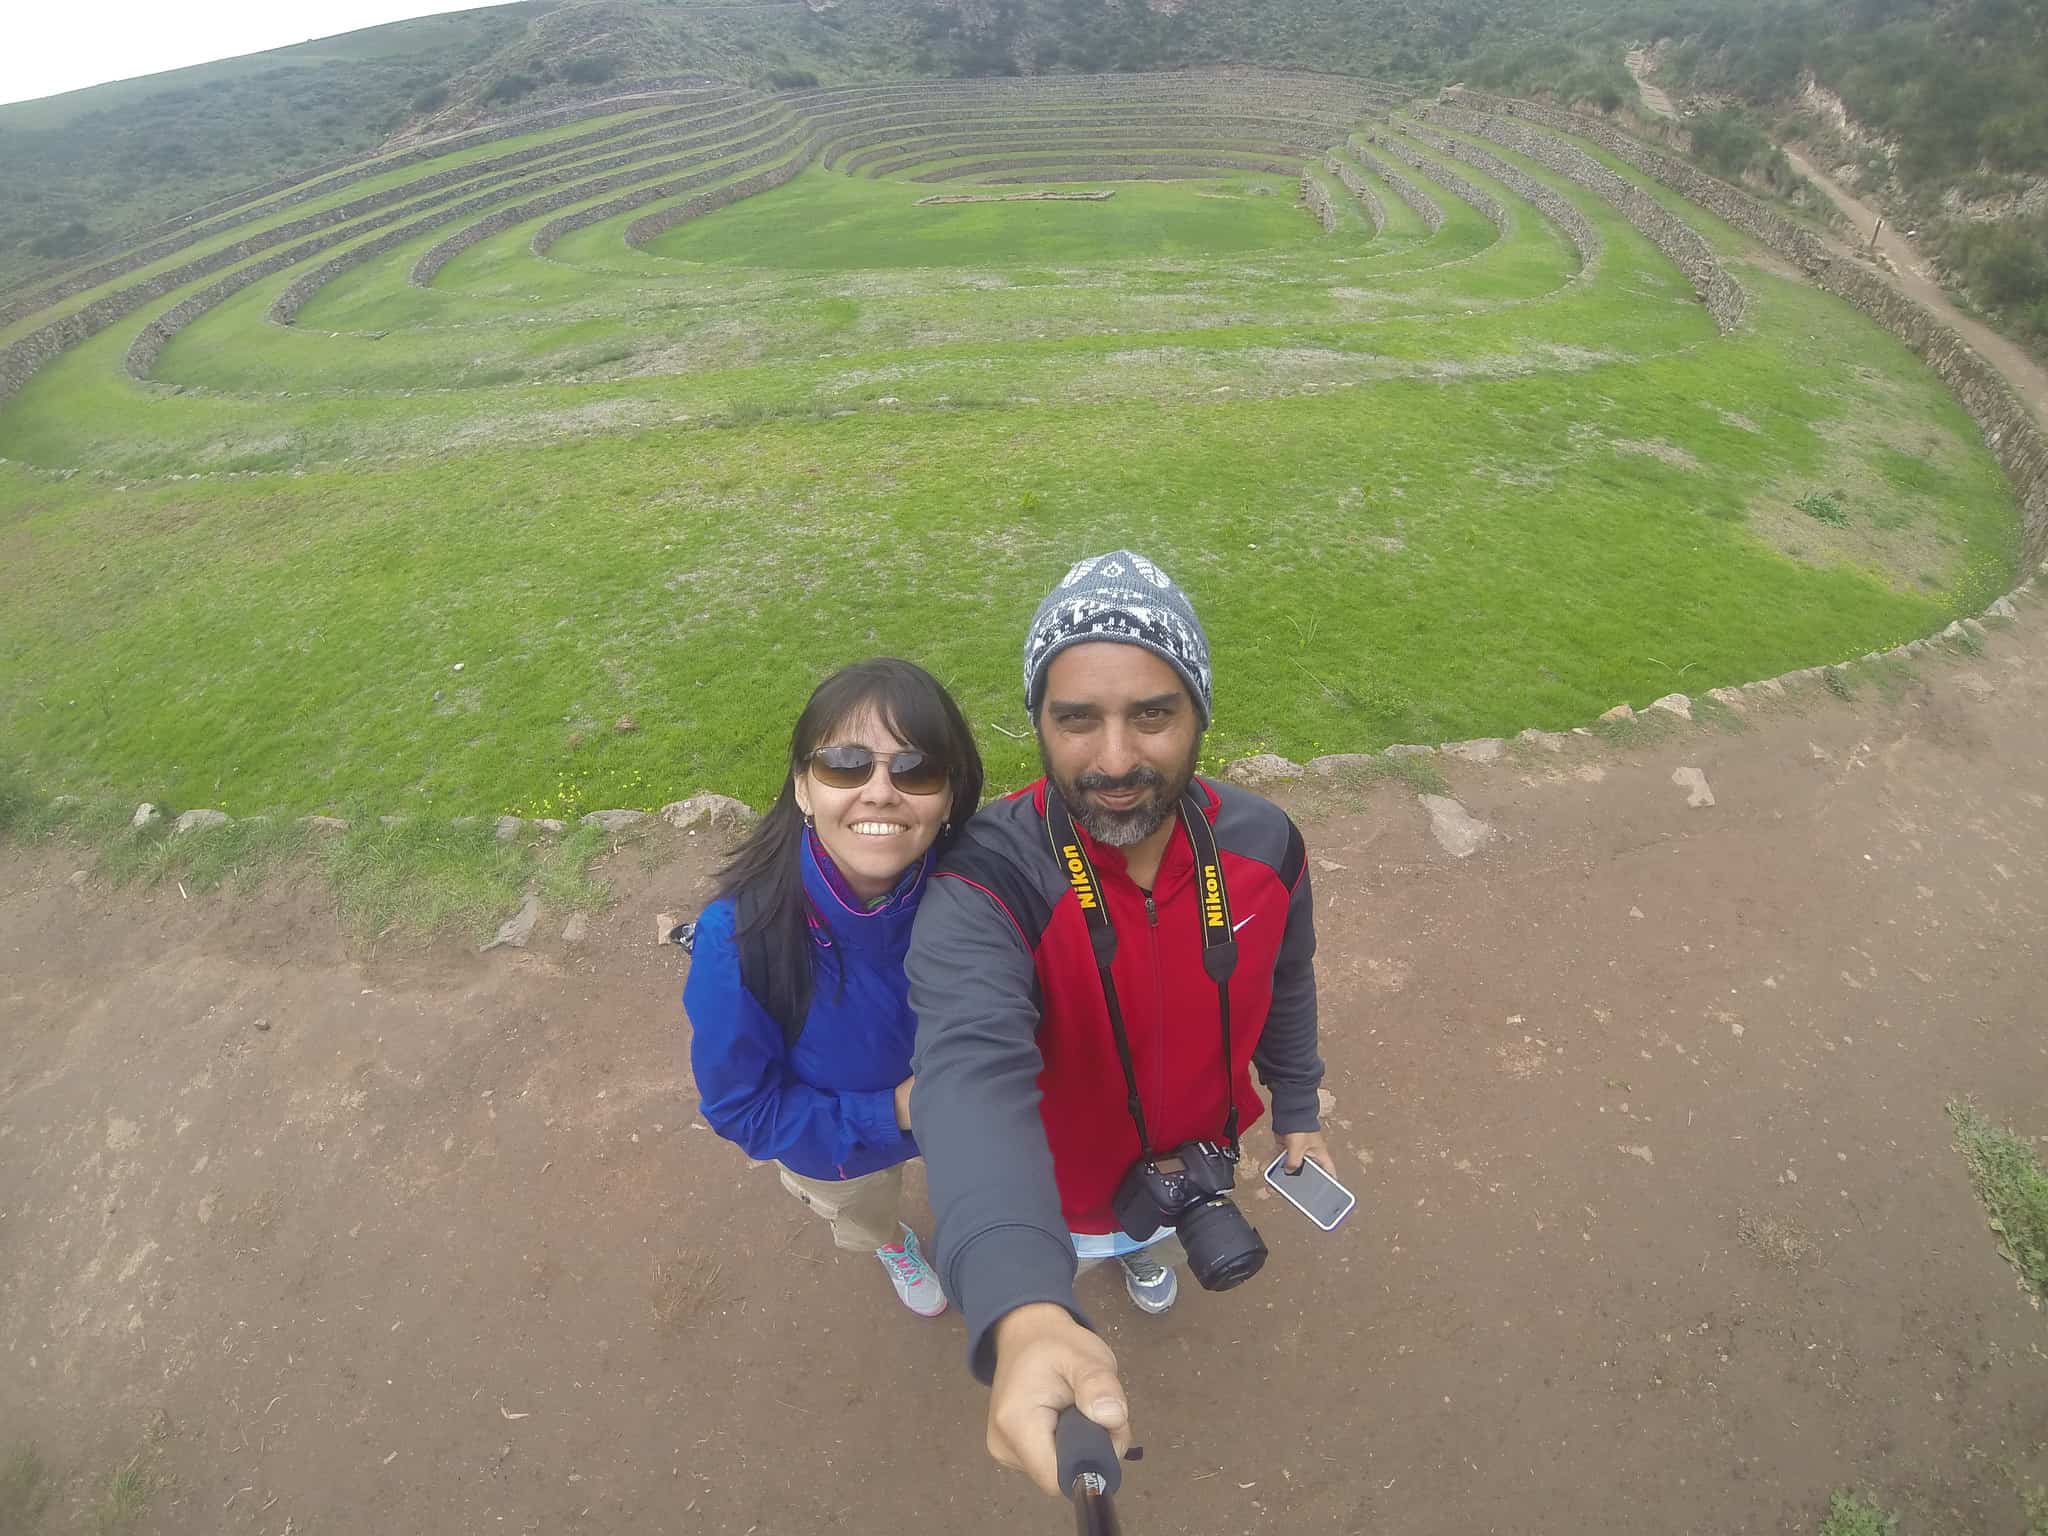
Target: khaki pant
pixel 862 1210
pixel 1167 1251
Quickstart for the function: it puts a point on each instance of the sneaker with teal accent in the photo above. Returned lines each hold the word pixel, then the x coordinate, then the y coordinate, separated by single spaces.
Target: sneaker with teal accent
pixel 916 1286
pixel 1153 1286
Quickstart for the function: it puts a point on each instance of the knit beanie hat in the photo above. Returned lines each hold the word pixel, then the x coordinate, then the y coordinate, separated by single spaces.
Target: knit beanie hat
pixel 1124 598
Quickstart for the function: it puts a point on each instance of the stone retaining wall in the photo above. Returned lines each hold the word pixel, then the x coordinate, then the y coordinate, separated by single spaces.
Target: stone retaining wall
pixel 1446 178
pixel 644 229
pixel 1678 240
pixel 699 170
pixel 1553 205
pixel 1718 197
pixel 1161 141
pixel 992 168
pixel 641 92
pixel 882 137
pixel 1358 187
pixel 1425 206
pixel 2010 429
pixel 1316 197
pixel 21 359
pixel 187 235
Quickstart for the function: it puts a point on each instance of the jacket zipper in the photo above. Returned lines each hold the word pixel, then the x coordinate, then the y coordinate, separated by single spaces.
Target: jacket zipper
pixel 1159 1008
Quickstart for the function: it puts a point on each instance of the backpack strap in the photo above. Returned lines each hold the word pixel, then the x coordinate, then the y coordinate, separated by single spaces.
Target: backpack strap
pixel 786 997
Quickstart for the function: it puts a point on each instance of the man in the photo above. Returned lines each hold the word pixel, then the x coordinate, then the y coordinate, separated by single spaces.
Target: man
pixel 1031 1103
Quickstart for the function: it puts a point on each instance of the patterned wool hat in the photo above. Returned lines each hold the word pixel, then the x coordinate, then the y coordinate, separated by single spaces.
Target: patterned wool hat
pixel 1125 598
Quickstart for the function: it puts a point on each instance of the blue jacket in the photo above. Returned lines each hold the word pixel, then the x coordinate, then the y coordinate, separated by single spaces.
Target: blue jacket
pixel 827 1107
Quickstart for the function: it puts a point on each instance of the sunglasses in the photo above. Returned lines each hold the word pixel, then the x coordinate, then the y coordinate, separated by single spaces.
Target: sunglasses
pixel 915 773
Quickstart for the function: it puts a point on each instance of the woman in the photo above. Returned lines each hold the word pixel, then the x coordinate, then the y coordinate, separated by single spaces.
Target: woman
pixel 800 1017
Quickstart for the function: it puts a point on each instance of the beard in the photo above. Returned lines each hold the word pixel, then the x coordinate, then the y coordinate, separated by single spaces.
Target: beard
pixel 1122 829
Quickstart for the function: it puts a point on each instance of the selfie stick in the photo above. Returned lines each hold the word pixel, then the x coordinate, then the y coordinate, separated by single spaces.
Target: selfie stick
pixel 1089 1471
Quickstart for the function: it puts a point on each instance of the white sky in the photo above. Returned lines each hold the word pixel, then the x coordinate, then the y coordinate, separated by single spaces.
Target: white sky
pixel 60 45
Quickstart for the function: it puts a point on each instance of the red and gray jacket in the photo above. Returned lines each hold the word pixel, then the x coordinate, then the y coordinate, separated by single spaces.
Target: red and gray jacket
pixel 1020 1104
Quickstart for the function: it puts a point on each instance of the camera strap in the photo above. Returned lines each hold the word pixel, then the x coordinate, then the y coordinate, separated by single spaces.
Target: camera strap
pixel 1219 942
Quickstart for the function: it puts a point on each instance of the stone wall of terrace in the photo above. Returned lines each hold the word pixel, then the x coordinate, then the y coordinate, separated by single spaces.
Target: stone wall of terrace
pixel 1678 240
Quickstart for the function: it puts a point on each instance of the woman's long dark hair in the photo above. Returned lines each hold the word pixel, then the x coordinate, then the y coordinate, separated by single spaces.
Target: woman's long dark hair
pixel 910 704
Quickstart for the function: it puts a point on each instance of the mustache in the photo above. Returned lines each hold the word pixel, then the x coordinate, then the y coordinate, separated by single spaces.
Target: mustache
pixel 1141 777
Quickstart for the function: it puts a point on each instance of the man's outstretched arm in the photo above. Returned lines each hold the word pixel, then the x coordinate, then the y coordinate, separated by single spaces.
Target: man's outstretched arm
pixel 1003 1249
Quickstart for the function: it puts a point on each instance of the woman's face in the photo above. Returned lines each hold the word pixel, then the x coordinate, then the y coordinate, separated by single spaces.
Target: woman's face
pixel 874 832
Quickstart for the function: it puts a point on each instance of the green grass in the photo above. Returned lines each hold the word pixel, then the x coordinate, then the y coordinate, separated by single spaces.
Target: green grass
pixel 24 1491
pixel 665 483
pixel 123 1498
pixel 415 875
pixel 2007 1173
pixel 1850 1514
pixel 839 223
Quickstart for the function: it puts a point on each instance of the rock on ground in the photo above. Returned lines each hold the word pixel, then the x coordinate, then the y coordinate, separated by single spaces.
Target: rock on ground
pixel 1266 768
pixel 1674 704
pixel 193 821
pixel 718 811
pixel 1694 783
pixel 517 929
pixel 1483 749
pixel 1328 767
pixel 617 821
pixel 1458 832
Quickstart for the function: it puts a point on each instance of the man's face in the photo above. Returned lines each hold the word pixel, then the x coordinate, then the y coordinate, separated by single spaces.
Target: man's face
pixel 1119 736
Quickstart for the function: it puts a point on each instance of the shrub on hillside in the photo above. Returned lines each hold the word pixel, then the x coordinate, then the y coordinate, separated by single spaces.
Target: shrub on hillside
pixel 592 68
pixel 791 79
pixel 2004 265
pixel 432 99
pixel 67 241
pixel 510 87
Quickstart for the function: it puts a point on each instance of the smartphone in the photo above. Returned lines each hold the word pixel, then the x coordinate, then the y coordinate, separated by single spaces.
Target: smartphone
pixel 1311 1191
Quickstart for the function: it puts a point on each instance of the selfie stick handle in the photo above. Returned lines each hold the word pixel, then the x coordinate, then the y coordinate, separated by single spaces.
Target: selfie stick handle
pixel 1089 1471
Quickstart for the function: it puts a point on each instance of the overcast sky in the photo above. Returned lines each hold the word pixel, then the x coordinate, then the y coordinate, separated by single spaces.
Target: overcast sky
pixel 60 45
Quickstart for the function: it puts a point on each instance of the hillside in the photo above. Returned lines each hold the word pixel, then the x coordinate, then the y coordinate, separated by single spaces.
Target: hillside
pixel 80 170
pixel 1931 106
pixel 1933 109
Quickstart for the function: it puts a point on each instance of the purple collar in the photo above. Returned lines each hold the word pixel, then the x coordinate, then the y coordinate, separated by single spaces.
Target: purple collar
pixel 835 899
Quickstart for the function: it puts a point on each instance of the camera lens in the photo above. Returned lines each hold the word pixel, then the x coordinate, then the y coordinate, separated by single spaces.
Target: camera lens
pixel 1223 1248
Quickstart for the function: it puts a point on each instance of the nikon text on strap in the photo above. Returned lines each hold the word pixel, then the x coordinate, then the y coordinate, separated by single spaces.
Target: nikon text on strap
pixel 1219 943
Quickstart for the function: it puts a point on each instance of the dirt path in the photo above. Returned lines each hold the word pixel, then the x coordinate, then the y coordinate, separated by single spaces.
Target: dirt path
pixel 1914 272
pixel 2008 357
pixel 1654 99
pixel 1660 1226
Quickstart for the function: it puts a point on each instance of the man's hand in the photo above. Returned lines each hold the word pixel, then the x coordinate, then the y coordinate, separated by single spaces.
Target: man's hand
pixel 1300 1144
pixel 1045 1361
pixel 903 1102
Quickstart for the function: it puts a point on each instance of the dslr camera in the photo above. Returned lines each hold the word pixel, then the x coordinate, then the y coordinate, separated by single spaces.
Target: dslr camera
pixel 1185 1189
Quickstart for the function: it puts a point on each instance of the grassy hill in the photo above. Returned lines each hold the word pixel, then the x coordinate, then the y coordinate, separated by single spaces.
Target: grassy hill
pixel 78 170
pixel 1948 117
pixel 543 474
pixel 1951 86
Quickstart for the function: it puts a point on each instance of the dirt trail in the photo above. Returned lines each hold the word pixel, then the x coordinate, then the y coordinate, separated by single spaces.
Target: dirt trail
pixel 1660 1226
pixel 1912 270
pixel 1654 99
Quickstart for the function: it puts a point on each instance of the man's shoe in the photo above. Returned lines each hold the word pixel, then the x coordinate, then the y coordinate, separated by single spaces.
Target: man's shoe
pixel 916 1286
pixel 1152 1285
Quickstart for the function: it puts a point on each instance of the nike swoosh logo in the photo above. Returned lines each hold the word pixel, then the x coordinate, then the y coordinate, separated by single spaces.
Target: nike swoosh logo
pixel 1241 922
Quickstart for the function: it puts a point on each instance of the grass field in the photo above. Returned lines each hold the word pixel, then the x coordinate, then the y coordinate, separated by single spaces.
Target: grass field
pixel 1421 486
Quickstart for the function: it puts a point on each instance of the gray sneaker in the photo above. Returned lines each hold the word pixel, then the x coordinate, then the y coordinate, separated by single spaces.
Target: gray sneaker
pixel 1152 1285
pixel 916 1286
